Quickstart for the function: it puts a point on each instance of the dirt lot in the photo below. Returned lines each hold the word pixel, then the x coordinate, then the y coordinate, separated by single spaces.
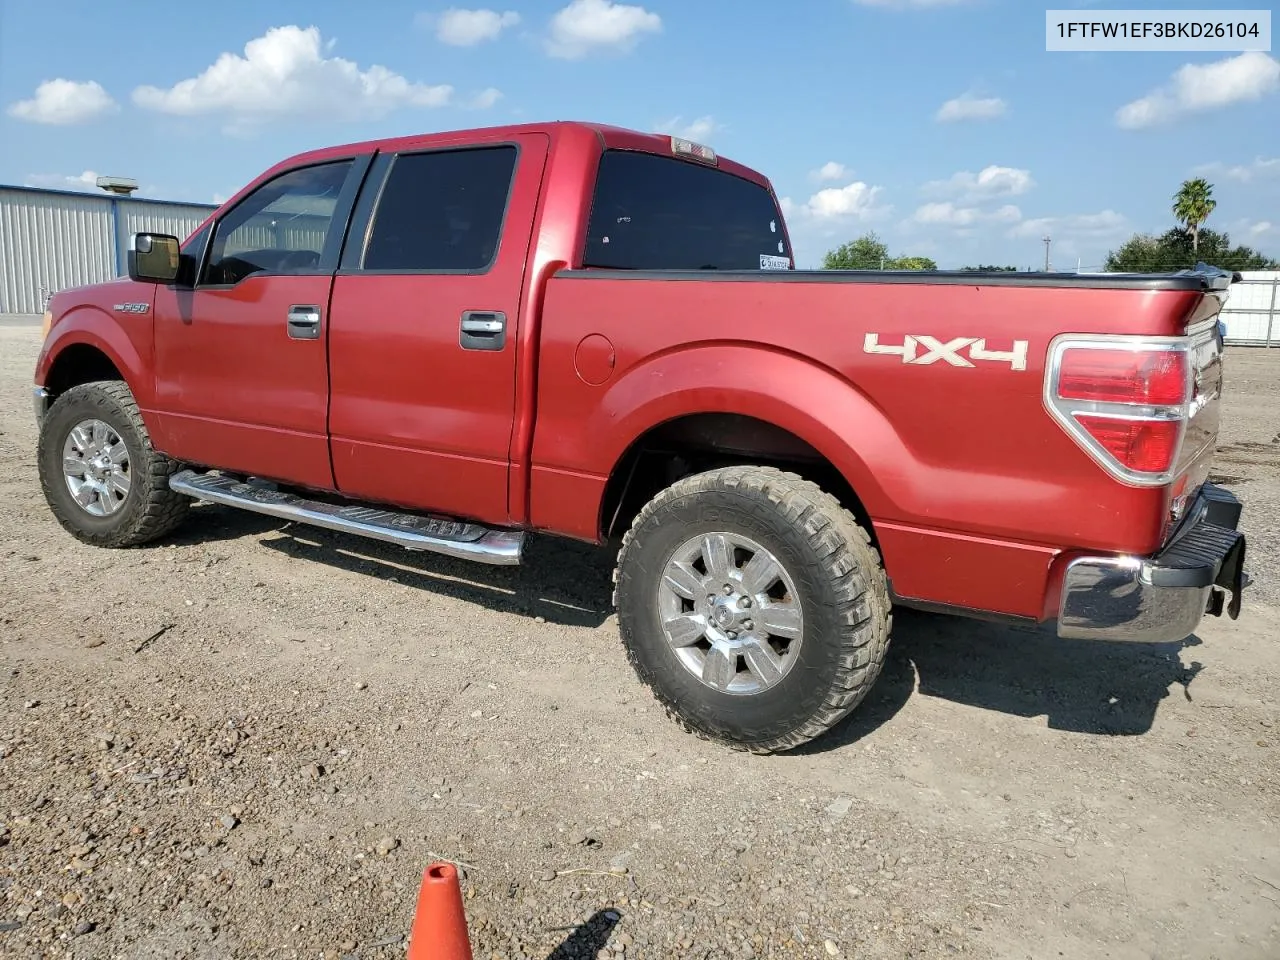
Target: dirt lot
pixel 249 740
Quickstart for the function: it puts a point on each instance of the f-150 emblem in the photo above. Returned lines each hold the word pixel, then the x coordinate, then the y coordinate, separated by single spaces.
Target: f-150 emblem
pixel 960 352
pixel 132 307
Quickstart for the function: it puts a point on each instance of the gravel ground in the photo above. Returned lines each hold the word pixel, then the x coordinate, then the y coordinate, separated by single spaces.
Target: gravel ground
pixel 249 740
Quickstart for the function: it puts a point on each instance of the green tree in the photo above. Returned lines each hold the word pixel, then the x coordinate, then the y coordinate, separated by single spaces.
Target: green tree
pixel 868 252
pixel 1192 205
pixel 910 263
pixel 1177 250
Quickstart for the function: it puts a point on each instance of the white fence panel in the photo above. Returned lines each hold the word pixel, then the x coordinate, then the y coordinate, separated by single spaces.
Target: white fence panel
pixel 1252 310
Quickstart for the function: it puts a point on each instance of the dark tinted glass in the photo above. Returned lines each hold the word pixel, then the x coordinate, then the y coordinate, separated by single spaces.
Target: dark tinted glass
pixel 660 213
pixel 442 211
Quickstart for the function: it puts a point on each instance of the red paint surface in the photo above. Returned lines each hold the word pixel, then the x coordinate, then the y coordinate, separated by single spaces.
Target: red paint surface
pixel 976 494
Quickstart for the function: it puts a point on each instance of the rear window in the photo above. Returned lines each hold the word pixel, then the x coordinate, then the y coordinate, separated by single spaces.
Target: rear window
pixel 660 213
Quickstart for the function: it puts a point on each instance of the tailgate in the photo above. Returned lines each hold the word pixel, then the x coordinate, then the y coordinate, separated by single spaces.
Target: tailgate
pixel 1201 438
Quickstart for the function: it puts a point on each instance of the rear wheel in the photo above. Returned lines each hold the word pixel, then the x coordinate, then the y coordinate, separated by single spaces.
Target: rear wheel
pixel 753 605
pixel 102 479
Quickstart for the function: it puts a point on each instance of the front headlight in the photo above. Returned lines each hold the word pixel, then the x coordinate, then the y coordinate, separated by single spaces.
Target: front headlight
pixel 45 323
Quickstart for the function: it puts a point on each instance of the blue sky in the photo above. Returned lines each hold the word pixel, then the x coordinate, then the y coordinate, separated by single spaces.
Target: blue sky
pixel 943 125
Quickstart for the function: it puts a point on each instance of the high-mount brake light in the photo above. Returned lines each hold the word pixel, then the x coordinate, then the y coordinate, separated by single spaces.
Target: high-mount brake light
pixel 1125 400
pixel 694 151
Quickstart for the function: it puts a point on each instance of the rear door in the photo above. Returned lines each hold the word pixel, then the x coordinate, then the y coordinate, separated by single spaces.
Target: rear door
pixel 241 368
pixel 422 336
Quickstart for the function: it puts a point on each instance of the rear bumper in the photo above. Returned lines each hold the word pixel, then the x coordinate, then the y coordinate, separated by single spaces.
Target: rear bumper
pixel 1161 598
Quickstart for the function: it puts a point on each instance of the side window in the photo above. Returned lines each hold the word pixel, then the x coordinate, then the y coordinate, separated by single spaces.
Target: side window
pixel 661 213
pixel 442 211
pixel 280 228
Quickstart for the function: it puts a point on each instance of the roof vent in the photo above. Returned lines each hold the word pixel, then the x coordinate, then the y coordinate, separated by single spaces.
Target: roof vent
pixel 120 185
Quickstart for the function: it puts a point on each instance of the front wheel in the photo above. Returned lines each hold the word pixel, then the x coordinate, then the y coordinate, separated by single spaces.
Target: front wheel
pixel 102 479
pixel 753 605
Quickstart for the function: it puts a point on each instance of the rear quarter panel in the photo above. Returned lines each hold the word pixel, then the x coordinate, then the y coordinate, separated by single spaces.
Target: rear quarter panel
pixel 967 451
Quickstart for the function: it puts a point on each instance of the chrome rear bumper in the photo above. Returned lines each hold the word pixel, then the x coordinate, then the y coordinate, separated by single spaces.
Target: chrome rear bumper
pixel 1161 598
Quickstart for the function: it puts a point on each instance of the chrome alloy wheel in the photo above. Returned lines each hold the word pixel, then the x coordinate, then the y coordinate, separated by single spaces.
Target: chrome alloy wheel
pixel 95 464
pixel 731 613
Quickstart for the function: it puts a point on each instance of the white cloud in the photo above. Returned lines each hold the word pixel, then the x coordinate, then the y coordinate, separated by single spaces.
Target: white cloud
pixel 284 73
pixel 700 130
pixel 1195 87
pixel 57 181
pixel 830 171
pixel 1106 223
pixel 466 28
pixel 948 214
pixel 1259 228
pixel 989 182
pixel 968 107
pixel 585 26
pixel 63 102
pixel 1259 169
pixel 485 99
pixel 855 201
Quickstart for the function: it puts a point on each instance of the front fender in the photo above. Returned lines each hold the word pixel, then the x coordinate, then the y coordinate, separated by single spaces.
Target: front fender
pixel 92 326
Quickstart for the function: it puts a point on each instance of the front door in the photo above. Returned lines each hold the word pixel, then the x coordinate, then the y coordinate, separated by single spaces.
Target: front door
pixel 241 368
pixel 422 338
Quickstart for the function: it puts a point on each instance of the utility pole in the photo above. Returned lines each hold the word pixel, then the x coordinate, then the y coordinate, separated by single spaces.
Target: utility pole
pixel 1046 253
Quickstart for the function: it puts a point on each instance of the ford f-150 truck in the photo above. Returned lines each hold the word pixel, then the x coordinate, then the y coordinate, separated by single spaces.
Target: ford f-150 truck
pixel 449 341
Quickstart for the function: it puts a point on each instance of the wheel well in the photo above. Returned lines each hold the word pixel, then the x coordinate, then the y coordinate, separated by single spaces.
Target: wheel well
pixel 79 363
pixel 707 441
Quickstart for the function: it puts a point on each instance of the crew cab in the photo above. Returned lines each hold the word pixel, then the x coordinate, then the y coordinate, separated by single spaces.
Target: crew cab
pixel 451 340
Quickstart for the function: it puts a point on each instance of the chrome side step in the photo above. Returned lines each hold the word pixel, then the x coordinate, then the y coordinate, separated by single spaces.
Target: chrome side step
pixel 452 538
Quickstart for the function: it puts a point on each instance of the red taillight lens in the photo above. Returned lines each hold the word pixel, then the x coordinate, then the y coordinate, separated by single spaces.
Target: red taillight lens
pixel 1155 377
pixel 1146 446
pixel 1125 400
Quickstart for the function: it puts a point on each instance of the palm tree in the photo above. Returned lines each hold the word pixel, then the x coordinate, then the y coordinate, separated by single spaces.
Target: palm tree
pixel 1192 205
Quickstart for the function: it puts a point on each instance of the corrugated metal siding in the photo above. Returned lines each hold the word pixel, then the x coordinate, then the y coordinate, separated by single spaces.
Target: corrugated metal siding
pixel 49 242
pixel 53 240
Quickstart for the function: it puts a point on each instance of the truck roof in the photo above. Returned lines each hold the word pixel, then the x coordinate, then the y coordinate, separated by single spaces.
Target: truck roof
pixel 610 137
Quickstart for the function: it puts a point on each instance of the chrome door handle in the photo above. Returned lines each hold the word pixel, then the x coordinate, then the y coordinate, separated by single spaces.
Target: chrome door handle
pixel 304 322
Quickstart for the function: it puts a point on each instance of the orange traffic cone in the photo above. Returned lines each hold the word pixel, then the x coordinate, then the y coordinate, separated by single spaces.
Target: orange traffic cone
pixel 440 924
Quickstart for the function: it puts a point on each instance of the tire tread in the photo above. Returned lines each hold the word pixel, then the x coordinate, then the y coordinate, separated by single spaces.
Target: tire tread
pixel 849 559
pixel 161 509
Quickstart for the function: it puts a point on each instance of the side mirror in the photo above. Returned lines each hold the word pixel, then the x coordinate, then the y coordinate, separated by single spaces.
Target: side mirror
pixel 154 257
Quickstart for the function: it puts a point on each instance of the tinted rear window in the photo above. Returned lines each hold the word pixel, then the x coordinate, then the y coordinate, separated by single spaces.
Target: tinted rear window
pixel 660 213
pixel 442 211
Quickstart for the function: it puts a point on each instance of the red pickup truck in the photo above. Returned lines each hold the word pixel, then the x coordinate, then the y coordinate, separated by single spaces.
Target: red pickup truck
pixel 447 341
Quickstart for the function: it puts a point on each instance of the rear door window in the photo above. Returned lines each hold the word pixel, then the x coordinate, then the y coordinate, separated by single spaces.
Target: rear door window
pixel 442 211
pixel 660 213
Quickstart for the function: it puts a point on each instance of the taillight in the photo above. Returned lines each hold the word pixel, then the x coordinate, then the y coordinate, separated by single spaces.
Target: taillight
pixel 1123 376
pixel 1125 400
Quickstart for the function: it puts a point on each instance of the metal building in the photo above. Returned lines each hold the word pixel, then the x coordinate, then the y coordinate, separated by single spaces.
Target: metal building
pixel 54 239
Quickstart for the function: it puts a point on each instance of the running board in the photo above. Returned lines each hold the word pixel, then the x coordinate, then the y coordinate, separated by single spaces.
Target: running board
pixel 452 538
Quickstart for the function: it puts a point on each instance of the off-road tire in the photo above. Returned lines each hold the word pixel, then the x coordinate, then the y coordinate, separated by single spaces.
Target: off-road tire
pixel 150 510
pixel 843 591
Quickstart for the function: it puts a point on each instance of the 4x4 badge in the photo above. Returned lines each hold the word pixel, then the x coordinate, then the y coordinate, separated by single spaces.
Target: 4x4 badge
pixel 951 351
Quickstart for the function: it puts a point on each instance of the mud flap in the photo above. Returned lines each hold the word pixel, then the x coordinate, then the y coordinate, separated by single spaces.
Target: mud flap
pixel 1230 577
